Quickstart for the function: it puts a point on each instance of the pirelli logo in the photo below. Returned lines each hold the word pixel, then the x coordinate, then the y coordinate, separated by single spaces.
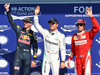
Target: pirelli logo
pixel 29 34
pixel 17 26
pixel 81 42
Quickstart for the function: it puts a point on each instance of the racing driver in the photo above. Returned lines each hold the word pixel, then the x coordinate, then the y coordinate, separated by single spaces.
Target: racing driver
pixel 81 45
pixel 53 40
pixel 25 38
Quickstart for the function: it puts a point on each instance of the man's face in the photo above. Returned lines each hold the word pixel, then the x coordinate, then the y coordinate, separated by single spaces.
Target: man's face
pixel 81 27
pixel 53 26
pixel 27 24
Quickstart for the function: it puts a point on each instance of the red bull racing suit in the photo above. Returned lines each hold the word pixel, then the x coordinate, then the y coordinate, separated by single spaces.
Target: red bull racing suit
pixel 23 51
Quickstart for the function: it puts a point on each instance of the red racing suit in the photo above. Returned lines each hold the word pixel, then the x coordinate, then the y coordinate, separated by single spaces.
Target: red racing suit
pixel 80 48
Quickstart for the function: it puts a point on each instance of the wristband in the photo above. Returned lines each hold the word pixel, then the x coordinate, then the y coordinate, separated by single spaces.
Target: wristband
pixel 34 60
pixel 63 61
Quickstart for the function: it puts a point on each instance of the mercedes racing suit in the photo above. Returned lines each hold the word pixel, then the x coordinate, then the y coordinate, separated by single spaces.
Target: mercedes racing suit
pixel 80 48
pixel 53 40
pixel 23 51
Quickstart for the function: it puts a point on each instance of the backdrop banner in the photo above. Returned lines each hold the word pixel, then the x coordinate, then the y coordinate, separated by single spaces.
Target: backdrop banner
pixel 67 15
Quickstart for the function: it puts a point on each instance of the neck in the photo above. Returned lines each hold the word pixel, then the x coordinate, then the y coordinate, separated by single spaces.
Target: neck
pixel 54 30
pixel 28 29
pixel 81 31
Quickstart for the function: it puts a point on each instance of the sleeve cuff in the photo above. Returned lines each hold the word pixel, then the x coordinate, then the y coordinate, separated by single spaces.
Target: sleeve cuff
pixel 35 17
pixel 34 59
pixel 92 17
pixel 8 12
pixel 63 59
pixel 70 58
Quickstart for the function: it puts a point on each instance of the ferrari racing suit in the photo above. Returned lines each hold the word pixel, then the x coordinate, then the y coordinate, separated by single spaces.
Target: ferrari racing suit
pixel 53 40
pixel 80 48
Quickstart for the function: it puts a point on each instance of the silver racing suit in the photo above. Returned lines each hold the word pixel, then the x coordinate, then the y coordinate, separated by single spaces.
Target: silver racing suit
pixel 53 40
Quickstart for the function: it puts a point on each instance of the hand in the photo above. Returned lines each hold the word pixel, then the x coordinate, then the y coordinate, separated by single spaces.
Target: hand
pixel 68 63
pixel 37 10
pixel 88 12
pixel 99 27
pixel 62 65
pixel 7 6
pixel 33 64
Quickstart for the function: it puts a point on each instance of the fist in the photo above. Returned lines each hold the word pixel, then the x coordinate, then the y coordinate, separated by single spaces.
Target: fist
pixel 62 65
pixel 7 6
pixel 33 64
pixel 68 63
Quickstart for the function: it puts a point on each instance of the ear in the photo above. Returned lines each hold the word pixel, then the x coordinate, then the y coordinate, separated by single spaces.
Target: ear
pixel 57 25
pixel 84 27
pixel 31 24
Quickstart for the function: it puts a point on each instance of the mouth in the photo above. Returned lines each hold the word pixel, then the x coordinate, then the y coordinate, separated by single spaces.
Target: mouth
pixel 79 28
pixel 51 27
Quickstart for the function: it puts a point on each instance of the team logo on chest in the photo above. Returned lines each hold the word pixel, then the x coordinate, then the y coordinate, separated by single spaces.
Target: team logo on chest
pixel 81 42
pixel 83 36
pixel 24 39
pixel 75 37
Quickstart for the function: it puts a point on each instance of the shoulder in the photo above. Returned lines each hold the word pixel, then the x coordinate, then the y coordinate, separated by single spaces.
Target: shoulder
pixel 61 34
pixel 88 30
pixel 75 35
pixel 21 29
pixel 34 33
pixel 46 29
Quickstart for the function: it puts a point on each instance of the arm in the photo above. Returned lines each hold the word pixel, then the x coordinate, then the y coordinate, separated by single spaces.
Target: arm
pixel 35 47
pixel 95 23
pixel 72 49
pixel 95 27
pixel 11 21
pixel 38 26
pixel 63 50
pixel 36 22
pixel 72 54
pixel 63 47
